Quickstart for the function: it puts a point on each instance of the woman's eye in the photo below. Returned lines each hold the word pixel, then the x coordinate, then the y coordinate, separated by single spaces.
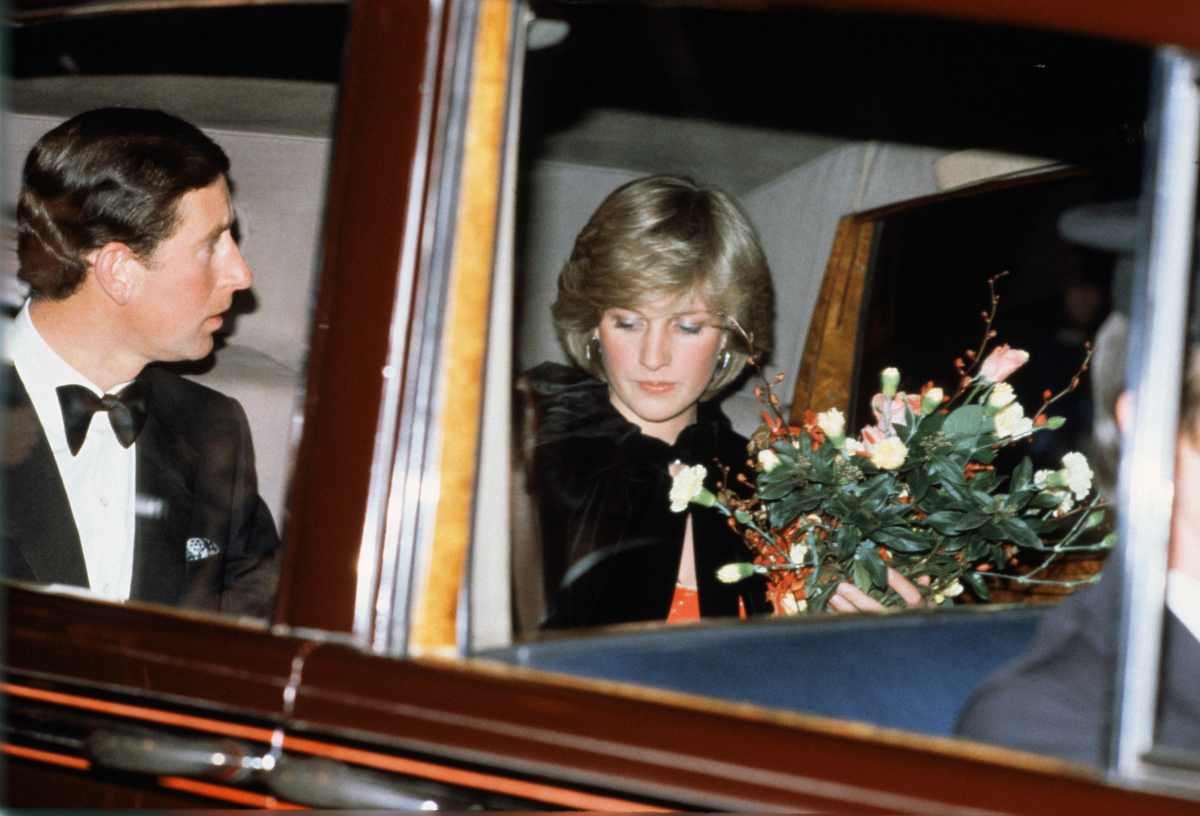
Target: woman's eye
pixel 690 328
pixel 625 323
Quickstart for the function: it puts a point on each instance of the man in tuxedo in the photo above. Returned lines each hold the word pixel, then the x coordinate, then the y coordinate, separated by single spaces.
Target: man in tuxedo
pixel 1058 698
pixel 119 475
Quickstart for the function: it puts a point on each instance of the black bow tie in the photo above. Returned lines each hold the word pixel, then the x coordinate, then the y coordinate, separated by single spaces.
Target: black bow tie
pixel 126 412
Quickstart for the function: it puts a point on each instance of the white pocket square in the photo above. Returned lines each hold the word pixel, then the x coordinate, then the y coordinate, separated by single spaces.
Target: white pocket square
pixel 200 548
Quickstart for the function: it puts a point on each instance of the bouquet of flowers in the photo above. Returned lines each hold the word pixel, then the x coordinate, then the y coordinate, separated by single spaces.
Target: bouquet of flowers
pixel 917 491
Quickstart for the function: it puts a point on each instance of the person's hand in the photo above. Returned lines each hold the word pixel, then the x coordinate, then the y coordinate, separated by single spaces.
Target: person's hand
pixel 849 598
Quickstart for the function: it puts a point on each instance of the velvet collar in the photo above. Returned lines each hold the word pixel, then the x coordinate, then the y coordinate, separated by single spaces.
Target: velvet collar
pixel 575 406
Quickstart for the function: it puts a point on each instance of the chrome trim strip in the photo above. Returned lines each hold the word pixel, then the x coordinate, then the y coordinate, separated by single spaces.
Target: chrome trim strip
pixel 374 555
pixel 412 503
pixel 1154 375
pixel 485 601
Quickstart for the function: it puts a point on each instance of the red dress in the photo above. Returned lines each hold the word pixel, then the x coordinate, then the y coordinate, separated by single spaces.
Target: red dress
pixel 685 606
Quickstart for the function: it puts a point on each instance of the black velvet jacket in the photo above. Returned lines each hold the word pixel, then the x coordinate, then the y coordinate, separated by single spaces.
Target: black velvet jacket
pixel 611 545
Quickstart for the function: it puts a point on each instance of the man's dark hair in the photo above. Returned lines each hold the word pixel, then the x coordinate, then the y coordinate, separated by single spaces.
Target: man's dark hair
pixel 111 174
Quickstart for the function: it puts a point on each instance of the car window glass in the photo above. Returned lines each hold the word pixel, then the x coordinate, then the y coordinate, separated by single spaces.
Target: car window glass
pixel 962 146
pixel 262 83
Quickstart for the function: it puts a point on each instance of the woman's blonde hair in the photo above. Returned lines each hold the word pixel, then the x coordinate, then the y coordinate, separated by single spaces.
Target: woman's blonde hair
pixel 667 236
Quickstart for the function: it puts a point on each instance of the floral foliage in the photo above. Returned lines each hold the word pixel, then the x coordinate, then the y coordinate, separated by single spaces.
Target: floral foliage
pixel 917 491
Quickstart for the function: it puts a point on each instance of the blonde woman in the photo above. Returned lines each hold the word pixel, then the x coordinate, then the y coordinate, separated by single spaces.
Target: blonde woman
pixel 665 284
pixel 665 290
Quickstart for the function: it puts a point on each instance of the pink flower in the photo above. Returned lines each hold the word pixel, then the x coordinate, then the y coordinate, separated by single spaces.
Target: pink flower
pixel 872 435
pixel 895 407
pixel 1002 362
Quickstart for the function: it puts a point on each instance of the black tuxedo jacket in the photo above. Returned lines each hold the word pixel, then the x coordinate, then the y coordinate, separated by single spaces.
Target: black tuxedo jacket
pixel 203 537
pixel 1058 698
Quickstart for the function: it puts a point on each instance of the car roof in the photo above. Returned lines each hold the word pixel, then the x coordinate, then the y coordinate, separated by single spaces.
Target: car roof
pixel 1174 22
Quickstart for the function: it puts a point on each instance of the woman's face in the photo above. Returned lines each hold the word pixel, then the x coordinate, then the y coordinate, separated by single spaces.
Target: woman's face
pixel 659 359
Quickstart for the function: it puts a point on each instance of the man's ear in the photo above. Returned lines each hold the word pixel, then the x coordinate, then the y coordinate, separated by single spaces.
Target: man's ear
pixel 1124 410
pixel 117 271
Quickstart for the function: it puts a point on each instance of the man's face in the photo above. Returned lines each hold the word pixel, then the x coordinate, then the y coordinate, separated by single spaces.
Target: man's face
pixel 190 280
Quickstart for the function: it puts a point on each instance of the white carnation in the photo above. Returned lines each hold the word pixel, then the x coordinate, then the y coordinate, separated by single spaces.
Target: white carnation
pixel 768 459
pixel 732 573
pixel 1040 478
pixel 832 423
pixel 1078 474
pixel 686 485
pixel 798 553
pixel 793 607
pixel 1065 506
pixel 889 454
pixel 1012 422
pixel 1002 394
pixel 951 590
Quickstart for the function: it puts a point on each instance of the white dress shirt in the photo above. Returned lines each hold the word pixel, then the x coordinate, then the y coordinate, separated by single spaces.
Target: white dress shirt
pixel 1183 598
pixel 101 481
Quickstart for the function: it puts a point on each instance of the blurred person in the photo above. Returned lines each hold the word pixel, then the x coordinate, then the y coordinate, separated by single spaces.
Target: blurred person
pixel 1058 698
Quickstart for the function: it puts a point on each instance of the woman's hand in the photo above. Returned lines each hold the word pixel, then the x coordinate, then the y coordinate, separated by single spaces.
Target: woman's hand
pixel 849 598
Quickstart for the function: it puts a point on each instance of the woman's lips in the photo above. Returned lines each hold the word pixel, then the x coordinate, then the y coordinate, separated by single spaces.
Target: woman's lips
pixel 654 387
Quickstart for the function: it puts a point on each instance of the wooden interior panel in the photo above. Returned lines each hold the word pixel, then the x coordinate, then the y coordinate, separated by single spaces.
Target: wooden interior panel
pixel 827 367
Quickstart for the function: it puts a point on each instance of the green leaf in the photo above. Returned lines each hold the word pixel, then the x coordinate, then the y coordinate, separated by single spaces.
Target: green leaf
pixel 847 540
pixel 819 600
pixel 1047 499
pixel 1018 532
pixel 1094 519
pixel 1018 499
pixel 903 539
pixel 1022 475
pixel 993 532
pixel 822 471
pixel 984 455
pixel 1055 422
pixel 861 575
pixel 966 421
pixel 976 548
pixel 773 488
pixel 958 493
pixel 869 557
pixel 931 424
pixel 944 521
pixel 977 584
pixel 985 481
pixel 971 521
pixel 874 492
pixel 948 472
pixel 918 484
pixel 952 544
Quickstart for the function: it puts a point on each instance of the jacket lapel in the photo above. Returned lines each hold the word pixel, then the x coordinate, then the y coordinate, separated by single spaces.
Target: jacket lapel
pixel 163 509
pixel 37 514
